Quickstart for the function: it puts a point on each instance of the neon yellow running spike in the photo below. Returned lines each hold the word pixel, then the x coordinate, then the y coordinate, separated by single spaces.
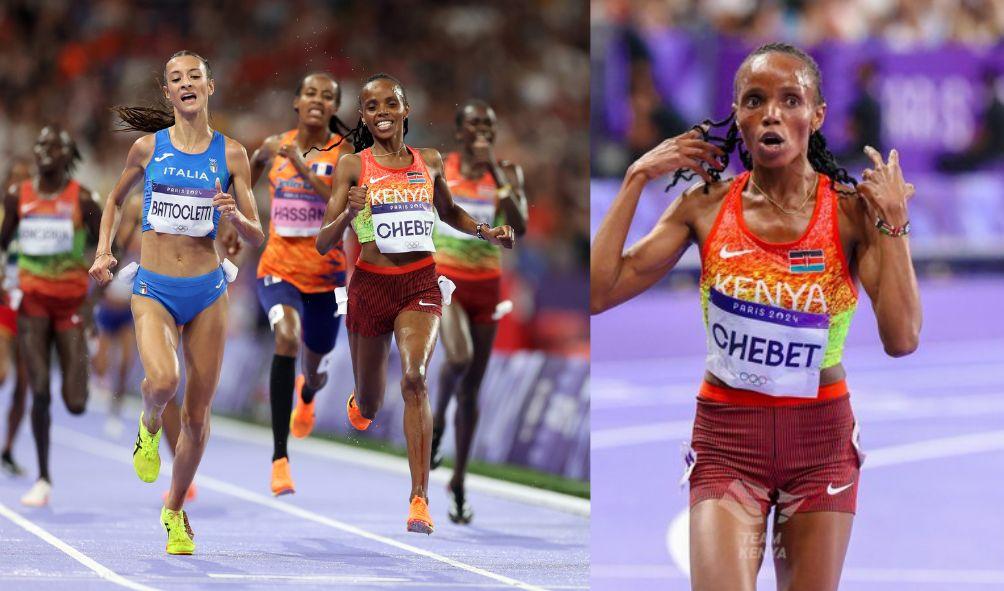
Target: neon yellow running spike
pixel 179 533
pixel 146 456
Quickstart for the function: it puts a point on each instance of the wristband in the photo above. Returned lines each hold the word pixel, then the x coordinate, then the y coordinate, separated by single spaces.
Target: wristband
pixel 891 230
pixel 101 254
pixel 478 231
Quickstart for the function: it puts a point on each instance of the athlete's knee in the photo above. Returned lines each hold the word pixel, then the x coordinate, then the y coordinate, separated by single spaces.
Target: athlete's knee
pixel 287 340
pixel 467 400
pixel 195 423
pixel 75 396
pixel 163 382
pixel 76 407
pixel 413 386
pixel 41 400
pixel 458 365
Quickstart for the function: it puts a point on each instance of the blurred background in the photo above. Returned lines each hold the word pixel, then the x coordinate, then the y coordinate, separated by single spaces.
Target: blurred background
pixel 923 76
pixel 68 61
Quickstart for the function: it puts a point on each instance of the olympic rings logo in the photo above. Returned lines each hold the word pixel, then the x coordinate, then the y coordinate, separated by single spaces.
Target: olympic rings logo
pixel 754 379
pixel 412 245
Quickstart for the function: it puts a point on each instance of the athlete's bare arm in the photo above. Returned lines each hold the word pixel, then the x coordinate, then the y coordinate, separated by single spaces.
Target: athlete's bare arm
pixel 135 167
pixel 240 210
pixel 616 276
pixel 340 212
pixel 883 262
pixel 261 160
pixel 90 211
pixel 291 151
pixel 453 214
pixel 514 205
pixel 11 217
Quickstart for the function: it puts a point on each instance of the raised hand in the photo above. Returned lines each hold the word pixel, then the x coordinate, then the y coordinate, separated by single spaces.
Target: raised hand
pixel 101 269
pixel 357 200
pixel 883 188
pixel 685 151
pixel 225 203
pixel 502 236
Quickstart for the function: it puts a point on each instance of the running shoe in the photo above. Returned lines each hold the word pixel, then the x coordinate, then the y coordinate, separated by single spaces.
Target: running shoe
pixel 301 422
pixel 460 512
pixel 146 456
pixel 282 482
pixel 38 495
pixel 179 533
pixel 9 466
pixel 437 454
pixel 190 494
pixel 355 417
pixel 419 520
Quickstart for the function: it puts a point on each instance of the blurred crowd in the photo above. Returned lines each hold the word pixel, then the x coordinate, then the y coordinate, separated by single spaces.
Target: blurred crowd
pixel 902 23
pixel 68 61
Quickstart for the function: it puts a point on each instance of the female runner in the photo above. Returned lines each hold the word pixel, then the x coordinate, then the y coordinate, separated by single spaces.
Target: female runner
pixel 296 284
pixel 485 188
pixel 388 190
pixel 181 284
pixel 51 215
pixel 782 247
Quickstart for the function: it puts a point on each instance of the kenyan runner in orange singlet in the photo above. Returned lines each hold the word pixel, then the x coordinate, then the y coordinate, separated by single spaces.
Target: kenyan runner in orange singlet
pixel 783 246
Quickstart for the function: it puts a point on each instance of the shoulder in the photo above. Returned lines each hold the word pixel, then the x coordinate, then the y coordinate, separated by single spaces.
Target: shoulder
pixel 431 156
pixel 349 166
pixel 85 194
pixel 703 196
pixel 13 191
pixel 233 147
pixel 143 148
pixel 513 171
pixel 270 146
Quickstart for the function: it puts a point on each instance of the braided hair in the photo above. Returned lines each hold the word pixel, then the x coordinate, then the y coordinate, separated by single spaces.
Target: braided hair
pixel 151 119
pixel 819 155
pixel 359 135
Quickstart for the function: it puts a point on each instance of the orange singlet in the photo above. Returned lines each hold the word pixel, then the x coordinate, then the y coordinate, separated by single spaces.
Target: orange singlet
pixel 297 215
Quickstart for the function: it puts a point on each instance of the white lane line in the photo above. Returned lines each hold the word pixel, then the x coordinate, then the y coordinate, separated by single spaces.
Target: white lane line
pixel 101 570
pixel 257 434
pixel 104 449
pixel 678 533
pixel 364 580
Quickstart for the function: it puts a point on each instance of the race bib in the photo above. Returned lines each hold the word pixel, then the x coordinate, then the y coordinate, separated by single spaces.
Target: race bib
pixel 404 227
pixel 297 214
pixel 181 210
pixel 764 348
pixel 483 212
pixel 40 235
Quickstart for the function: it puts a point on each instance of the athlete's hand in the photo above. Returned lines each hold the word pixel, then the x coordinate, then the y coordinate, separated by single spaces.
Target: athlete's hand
pixel 482 151
pixel 883 188
pixel 357 200
pixel 101 270
pixel 290 151
pixel 502 236
pixel 225 203
pixel 229 239
pixel 687 151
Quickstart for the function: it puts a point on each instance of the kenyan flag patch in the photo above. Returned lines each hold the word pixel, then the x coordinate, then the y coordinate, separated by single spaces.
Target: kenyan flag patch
pixel 806 261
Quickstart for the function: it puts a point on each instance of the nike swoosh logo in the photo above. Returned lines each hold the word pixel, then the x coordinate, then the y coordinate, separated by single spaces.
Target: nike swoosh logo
pixel 220 284
pixel 725 253
pixel 377 179
pixel 835 491
pixel 163 156
pixel 421 303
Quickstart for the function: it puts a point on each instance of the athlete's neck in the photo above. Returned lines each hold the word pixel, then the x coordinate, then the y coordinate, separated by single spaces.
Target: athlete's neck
pixel 310 136
pixel 471 168
pixel 393 148
pixel 188 133
pixel 788 185
pixel 51 182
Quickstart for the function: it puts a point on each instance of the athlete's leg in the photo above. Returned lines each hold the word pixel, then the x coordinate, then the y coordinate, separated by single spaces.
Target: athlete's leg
pixel 283 377
pixel 809 550
pixel 157 340
pixel 454 332
pixel 467 400
pixel 203 343
pixel 8 350
pixel 100 361
pixel 369 365
pixel 415 333
pixel 125 338
pixel 726 545
pixel 72 348
pixel 34 334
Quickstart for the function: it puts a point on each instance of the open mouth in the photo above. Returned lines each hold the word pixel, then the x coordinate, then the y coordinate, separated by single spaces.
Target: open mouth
pixel 384 125
pixel 188 97
pixel 771 138
pixel 316 112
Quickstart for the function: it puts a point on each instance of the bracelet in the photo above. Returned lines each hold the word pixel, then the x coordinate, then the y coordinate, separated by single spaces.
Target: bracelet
pixel 101 254
pixel 477 230
pixel 891 230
